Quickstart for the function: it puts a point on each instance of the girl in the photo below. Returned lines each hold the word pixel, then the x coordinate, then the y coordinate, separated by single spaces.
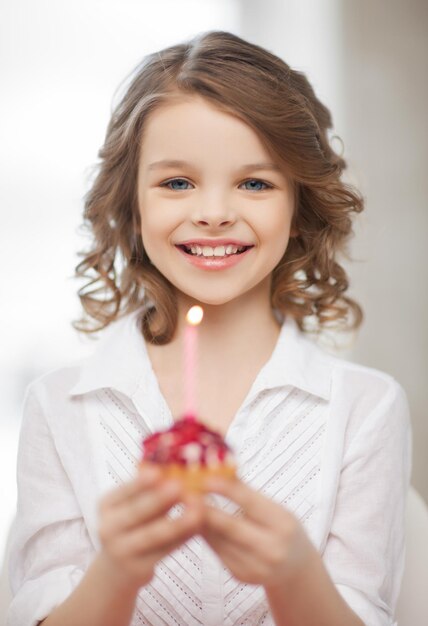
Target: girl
pixel 217 185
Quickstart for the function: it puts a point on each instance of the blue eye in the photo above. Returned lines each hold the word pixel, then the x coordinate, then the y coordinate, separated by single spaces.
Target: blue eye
pixel 258 182
pixel 180 186
pixel 174 180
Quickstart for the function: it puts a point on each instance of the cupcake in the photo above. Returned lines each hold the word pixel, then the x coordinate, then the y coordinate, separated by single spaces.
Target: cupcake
pixel 189 451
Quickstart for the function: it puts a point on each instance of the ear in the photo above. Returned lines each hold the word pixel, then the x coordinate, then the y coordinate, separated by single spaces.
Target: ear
pixel 294 232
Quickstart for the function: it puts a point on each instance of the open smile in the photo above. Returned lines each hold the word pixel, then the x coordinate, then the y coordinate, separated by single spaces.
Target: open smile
pixel 214 262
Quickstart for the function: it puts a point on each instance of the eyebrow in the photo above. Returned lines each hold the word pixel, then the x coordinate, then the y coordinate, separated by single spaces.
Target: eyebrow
pixel 245 168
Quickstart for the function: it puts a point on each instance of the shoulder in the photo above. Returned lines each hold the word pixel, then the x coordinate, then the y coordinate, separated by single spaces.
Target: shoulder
pixel 364 382
pixel 51 390
pixel 61 378
pixel 361 380
pixel 373 399
pixel 48 413
pixel 309 362
pixel 348 376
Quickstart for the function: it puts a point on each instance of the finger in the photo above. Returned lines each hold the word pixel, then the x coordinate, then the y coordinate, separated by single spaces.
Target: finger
pixel 223 547
pixel 240 562
pixel 255 505
pixel 159 536
pixel 240 531
pixel 146 506
pixel 191 525
pixel 144 479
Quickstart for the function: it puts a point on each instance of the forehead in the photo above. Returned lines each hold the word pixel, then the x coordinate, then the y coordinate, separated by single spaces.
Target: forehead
pixel 196 129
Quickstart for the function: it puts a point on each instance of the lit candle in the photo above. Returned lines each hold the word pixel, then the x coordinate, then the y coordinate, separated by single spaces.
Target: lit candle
pixel 193 318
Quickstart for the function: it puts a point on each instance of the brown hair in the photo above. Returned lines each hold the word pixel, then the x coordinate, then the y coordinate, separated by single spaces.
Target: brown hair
pixel 280 105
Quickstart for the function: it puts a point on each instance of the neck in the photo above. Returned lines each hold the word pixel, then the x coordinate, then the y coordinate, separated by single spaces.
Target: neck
pixel 227 330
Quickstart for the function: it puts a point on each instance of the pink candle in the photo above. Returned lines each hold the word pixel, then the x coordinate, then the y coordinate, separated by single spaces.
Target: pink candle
pixel 193 318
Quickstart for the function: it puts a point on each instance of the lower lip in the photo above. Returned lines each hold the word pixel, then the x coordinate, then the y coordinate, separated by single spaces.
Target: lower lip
pixel 213 262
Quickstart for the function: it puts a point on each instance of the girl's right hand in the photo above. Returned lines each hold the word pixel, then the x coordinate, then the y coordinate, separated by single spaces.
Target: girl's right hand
pixel 135 532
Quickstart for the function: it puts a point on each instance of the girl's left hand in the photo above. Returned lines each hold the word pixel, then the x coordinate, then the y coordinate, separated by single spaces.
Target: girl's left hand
pixel 266 545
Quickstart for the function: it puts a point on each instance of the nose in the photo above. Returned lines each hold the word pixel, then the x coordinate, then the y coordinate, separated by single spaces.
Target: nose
pixel 213 211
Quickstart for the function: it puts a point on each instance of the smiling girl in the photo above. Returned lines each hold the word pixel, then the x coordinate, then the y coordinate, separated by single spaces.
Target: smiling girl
pixel 217 185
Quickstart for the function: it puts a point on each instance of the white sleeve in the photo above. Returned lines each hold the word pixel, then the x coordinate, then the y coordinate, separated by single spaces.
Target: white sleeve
pixel 50 547
pixel 364 553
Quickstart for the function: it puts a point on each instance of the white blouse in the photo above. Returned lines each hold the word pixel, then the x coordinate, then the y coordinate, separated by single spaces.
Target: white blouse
pixel 328 439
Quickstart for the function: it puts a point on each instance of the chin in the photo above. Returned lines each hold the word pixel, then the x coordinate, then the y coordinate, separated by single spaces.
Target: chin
pixel 211 299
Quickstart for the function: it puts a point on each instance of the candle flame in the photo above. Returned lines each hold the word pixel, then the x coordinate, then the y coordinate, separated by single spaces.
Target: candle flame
pixel 195 315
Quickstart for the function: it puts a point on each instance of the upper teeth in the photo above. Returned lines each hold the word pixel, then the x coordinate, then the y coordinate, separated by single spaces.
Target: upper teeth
pixel 217 251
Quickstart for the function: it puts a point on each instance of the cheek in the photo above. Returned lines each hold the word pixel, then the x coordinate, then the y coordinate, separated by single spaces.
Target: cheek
pixel 156 221
pixel 276 237
pixel 275 227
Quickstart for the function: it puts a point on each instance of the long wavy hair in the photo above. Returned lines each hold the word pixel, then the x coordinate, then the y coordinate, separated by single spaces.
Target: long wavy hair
pixel 279 104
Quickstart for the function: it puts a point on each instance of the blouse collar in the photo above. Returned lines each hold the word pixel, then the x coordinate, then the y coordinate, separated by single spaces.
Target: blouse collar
pixel 121 362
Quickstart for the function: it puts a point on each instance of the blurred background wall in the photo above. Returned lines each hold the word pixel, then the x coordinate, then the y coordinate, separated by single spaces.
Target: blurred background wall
pixel 385 87
pixel 60 65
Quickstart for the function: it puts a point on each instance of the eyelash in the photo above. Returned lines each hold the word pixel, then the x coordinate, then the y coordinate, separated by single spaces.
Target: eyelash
pixel 267 185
